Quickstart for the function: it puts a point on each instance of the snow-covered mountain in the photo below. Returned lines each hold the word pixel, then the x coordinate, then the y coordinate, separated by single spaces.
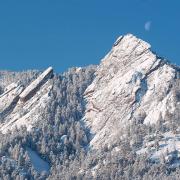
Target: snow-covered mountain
pixel 131 83
pixel 94 122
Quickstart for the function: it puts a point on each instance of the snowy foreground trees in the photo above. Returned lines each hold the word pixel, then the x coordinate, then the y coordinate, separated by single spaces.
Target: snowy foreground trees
pixel 61 140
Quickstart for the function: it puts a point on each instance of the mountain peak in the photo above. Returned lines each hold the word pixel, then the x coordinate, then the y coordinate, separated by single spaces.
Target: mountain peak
pixel 126 81
pixel 129 40
pixel 128 51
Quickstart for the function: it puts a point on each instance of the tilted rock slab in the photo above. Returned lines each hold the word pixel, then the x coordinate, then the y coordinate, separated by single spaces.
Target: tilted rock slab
pixel 33 87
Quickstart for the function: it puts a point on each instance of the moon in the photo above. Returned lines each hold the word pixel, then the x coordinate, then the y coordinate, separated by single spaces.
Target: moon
pixel 147 26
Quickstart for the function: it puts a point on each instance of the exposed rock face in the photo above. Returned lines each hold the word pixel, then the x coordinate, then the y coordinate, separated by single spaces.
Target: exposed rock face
pixel 35 85
pixel 131 83
pixel 24 108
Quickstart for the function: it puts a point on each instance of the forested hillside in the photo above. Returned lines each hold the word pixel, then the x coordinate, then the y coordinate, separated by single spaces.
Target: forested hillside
pixel 118 120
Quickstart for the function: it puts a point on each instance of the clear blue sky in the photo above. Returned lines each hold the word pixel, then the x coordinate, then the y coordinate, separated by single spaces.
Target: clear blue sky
pixel 64 33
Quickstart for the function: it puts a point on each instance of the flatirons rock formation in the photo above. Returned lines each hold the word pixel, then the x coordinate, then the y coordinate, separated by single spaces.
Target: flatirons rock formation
pixel 24 106
pixel 131 83
pixel 118 120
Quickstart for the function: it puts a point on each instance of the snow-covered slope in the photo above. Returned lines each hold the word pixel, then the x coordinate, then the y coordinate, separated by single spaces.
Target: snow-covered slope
pixel 118 120
pixel 21 106
pixel 39 164
pixel 167 148
pixel 131 83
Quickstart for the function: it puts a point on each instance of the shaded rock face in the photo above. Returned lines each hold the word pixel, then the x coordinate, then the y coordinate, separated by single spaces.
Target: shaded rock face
pixel 20 106
pixel 131 83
